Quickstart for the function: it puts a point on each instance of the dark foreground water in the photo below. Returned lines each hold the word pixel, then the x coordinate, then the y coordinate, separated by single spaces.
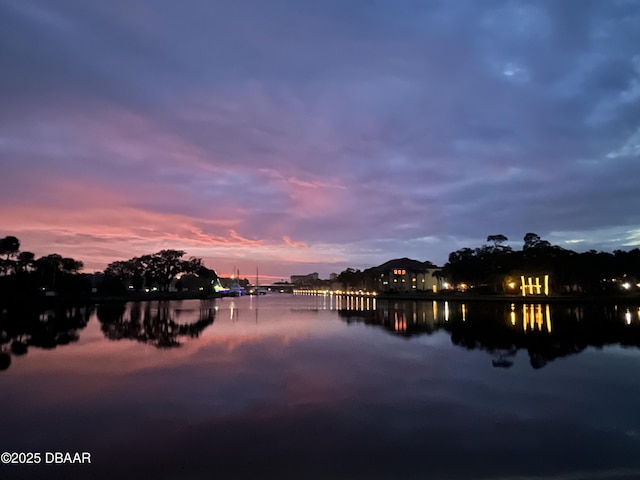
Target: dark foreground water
pixel 314 387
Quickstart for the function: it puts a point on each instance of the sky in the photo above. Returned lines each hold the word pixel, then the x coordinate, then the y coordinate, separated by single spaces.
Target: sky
pixel 299 136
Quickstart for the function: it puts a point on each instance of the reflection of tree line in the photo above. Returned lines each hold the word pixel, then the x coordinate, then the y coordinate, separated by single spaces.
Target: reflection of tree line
pixel 546 333
pixel 148 324
pixel 21 329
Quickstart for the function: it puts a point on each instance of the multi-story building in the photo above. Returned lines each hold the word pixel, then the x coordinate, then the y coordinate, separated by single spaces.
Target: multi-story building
pixel 406 275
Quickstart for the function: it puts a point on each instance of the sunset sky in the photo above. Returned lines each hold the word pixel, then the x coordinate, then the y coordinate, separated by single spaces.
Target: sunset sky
pixel 312 135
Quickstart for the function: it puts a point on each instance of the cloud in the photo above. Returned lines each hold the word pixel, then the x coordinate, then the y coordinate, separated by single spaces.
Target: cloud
pixel 358 129
pixel 293 243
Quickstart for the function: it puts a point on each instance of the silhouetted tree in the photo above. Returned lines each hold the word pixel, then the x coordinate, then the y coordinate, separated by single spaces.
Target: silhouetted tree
pixel 69 265
pixel 154 270
pixel 351 278
pixel 60 274
pixel 25 262
pixel 497 240
pixel 9 246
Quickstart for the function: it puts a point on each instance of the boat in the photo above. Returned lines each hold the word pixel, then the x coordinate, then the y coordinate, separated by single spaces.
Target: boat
pixel 256 290
pixel 235 290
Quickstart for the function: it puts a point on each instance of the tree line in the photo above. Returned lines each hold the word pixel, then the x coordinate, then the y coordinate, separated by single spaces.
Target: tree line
pixel 496 267
pixel 493 267
pixel 155 271
pixel 23 276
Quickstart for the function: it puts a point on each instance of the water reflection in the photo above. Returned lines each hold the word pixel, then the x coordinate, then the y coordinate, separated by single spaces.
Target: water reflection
pixel 154 323
pixel 338 302
pixel 24 328
pixel 544 331
pixel 308 392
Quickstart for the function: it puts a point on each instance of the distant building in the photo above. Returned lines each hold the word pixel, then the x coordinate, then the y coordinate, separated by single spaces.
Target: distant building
pixel 310 278
pixel 333 276
pixel 407 275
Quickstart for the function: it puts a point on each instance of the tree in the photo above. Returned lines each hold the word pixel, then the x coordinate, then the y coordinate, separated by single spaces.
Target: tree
pixel 531 240
pixel 497 240
pixel 57 272
pixel 154 270
pixel 166 264
pixel 121 270
pixel 351 278
pixel 47 268
pixel 70 265
pixel 115 276
pixel 9 246
pixel 25 262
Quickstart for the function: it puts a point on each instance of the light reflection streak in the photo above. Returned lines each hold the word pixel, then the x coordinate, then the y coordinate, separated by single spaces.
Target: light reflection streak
pixel 533 317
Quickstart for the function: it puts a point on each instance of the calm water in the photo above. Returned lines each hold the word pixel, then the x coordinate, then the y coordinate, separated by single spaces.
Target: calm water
pixel 299 387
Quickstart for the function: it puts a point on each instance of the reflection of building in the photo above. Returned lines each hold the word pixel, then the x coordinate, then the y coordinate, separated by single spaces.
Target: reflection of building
pixel 406 275
pixel 542 331
pixel 402 318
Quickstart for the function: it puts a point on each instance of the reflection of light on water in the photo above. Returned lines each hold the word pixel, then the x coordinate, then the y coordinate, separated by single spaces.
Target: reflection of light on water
pixel 548 314
pixel 528 316
pixel 627 317
pixel 464 312
pixel 400 322
pixel 435 310
pixel 539 317
pixel 232 307
pixel 513 314
pixel 533 317
pixel 349 302
pixel 446 311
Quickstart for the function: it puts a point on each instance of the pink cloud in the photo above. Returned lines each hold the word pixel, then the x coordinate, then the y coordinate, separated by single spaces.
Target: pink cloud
pixel 97 225
pixel 293 243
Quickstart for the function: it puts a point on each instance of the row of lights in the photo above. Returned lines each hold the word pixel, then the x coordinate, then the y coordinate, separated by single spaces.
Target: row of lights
pixel 334 292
